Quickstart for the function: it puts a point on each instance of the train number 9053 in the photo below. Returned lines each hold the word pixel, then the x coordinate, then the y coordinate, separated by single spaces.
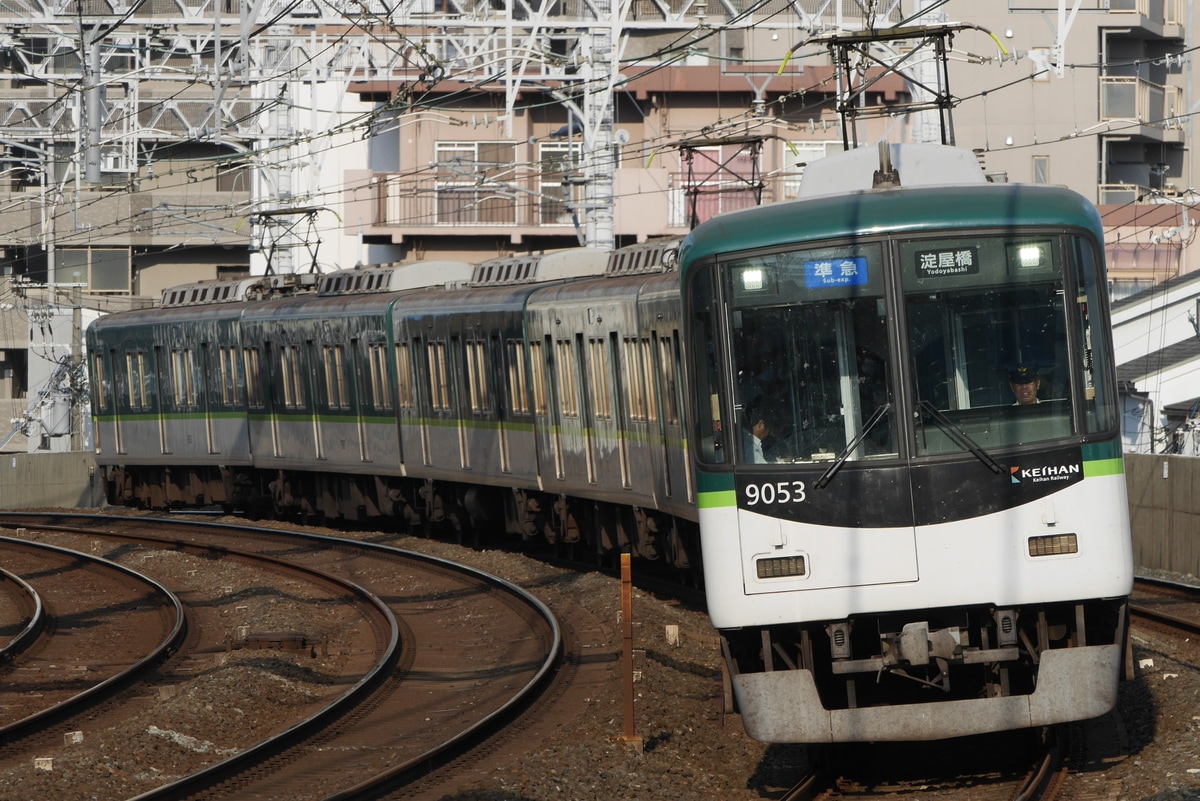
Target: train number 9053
pixel 772 492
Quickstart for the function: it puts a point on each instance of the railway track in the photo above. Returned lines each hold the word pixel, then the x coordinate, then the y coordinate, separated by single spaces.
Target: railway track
pixel 1166 606
pixel 88 628
pixel 474 650
pixel 1010 766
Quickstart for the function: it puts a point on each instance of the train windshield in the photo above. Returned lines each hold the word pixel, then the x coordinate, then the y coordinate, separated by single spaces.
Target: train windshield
pixel 1000 341
pixel 999 337
pixel 810 355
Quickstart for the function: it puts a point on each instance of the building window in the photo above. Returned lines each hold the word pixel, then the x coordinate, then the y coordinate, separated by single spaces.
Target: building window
pixel 98 269
pixel 472 184
pixel 1041 169
pixel 556 161
pixel 797 154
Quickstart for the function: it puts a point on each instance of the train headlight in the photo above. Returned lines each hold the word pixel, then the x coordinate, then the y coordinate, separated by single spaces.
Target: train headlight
pixel 753 279
pixel 1029 255
pixel 780 567
pixel 1053 545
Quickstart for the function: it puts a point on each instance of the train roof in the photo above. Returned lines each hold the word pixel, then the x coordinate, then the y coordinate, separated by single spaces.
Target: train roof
pixel 534 268
pixel 204 293
pixel 898 210
pixel 393 277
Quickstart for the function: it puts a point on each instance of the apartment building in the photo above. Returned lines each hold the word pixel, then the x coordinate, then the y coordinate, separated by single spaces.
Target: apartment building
pixel 147 144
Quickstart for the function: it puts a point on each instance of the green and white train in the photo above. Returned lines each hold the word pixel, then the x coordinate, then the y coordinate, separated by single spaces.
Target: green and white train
pixel 819 406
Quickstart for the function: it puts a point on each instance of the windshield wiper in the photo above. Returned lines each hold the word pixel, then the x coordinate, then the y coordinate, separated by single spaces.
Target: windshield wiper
pixel 961 437
pixel 831 471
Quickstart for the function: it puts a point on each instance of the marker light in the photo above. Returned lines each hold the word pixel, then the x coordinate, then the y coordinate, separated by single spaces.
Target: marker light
pixel 1053 545
pixel 780 567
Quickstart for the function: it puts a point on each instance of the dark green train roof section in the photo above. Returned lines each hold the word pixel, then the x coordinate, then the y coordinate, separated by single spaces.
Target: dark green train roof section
pixel 895 211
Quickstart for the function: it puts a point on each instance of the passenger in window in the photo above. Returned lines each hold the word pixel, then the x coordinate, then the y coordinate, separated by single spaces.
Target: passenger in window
pixel 754 433
pixel 1025 382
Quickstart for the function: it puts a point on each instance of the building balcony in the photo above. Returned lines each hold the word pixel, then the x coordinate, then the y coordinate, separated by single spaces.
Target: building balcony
pixel 649 202
pixel 1153 109
pixel 1163 18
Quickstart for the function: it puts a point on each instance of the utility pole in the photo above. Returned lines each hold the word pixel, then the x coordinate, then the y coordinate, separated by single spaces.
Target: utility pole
pixel 599 163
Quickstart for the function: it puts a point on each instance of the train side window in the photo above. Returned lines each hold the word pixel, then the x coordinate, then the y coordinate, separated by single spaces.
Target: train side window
pixel 100 386
pixel 254 397
pixel 598 369
pixel 227 366
pixel 405 396
pixel 477 376
pixel 183 378
pixel 634 387
pixel 537 363
pixel 381 393
pixel 335 377
pixel 518 381
pixel 648 385
pixel 1100 405
pixel 135 369
pixel 708 413
pixel 568 391
pixel 292 377
pixel 439 385
pixel 668 358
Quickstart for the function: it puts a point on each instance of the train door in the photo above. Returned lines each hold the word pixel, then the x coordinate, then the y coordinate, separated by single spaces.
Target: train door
pixel 356 401
pixel 457 408
pixel 548 402
pixel 571 371
pixel 621 388
pixel 426 365
pixel 310 395
pixel 497 358
pixel 118 444
pixel 203 396
pixel 161 381
pixel 666 370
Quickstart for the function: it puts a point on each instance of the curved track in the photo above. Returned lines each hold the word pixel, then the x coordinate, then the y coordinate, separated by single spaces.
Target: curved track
pixel 94 626
pixel 1166 605
pixel 475 650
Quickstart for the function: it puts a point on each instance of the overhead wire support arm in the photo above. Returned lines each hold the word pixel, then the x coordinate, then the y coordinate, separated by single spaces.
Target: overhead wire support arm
pixel 851 53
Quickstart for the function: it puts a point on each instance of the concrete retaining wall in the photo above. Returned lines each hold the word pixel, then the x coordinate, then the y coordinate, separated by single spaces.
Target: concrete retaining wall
pixel 59 480
pixel 1164 511
pixel 1164 499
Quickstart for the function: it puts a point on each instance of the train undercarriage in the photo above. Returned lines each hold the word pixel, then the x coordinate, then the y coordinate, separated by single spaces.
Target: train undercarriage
pixel 422 507
pixel 916 675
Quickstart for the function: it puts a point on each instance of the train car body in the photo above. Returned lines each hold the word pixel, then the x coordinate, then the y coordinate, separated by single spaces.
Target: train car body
pixel 522 393
pixel 909 553
pixel 169 389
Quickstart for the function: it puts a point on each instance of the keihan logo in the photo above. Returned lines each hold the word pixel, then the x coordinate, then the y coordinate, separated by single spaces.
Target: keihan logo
pixel 1060 472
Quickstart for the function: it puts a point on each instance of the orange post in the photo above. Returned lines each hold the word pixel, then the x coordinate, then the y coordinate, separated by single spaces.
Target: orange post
pixel 627 650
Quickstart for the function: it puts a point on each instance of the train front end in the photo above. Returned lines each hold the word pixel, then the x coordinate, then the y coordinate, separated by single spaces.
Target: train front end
pixel 909 474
